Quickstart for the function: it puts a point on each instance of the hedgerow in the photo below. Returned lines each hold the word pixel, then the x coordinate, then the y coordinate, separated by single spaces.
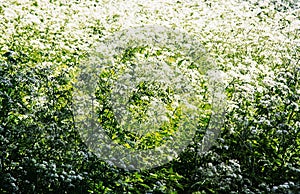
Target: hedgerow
pixel 255 45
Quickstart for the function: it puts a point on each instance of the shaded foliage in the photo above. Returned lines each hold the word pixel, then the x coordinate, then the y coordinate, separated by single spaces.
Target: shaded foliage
pixel 256 152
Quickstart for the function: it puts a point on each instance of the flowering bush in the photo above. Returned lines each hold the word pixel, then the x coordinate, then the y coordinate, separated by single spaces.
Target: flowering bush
pixel 255 44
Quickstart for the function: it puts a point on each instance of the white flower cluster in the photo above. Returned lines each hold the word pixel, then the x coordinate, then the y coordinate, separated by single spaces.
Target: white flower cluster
pixel 248 40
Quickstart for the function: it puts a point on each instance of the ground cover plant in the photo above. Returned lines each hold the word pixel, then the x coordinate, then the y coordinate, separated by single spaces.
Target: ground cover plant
pixel 255 45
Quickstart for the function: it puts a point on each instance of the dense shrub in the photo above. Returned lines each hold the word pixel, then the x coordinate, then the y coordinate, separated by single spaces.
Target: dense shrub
pixel 254 43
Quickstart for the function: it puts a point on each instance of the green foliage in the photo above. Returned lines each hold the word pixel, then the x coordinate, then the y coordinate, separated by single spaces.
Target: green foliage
pixel 140 102
pixel 268 126
pixel 43 46
pixel 37 135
